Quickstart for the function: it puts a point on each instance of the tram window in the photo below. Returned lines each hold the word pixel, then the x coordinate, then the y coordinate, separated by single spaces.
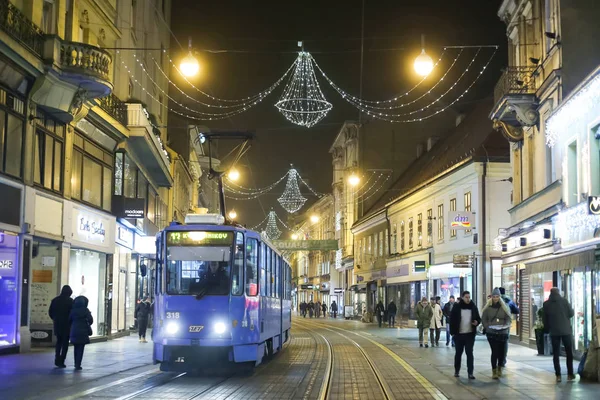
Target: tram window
pixel 277 275
pixel 198 269
pixel 272 274
pixel 263 250
pixel 269 263
pixel 237 286
pixel 252 267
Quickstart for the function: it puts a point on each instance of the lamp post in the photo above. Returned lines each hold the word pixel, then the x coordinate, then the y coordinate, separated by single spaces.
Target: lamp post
pixel 232 215
pixel 423 63
pixel 354 180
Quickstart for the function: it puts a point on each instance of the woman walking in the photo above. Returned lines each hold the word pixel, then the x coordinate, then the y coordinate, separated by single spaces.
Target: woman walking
pixel 424 314
pixel 81 328
pixel 496 319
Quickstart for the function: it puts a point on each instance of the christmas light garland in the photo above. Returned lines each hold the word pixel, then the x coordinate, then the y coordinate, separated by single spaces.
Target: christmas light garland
pixel 292 200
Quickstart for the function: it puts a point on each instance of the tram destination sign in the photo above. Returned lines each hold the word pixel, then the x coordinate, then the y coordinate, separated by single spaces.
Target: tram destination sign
pixel 306 245
pixel 199 238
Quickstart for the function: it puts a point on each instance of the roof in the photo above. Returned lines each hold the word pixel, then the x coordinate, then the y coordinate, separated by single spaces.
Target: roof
pixel 473 139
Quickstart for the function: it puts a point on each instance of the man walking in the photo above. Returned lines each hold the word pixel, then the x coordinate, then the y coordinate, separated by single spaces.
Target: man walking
pixel 463 325
pixel 59 311
pixel 424 314
pixel 334 309
pixel 557 321
pixel 447 310
pixel 392 310
pixel 379 312
pixel 142 312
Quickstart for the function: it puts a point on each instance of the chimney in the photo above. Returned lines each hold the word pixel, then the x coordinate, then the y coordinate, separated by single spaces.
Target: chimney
pixel 419 150
pixel 431 141
pixel 459 119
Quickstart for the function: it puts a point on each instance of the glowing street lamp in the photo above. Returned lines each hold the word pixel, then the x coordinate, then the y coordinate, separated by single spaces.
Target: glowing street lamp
pixel 189 66
pixel 232 215
pixel 354 180
pixel 233 175
pixel 294 236
pixel 423 63
pixel 314 219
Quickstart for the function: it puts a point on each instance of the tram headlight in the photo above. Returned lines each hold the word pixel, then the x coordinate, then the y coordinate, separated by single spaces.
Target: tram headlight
pixel 220 328
pixel 172 328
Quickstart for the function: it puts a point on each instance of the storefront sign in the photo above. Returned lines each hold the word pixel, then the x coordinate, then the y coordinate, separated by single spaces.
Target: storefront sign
pixel 306 245
pixel 461 220
pixel 338 290
pixel 594 205
pixel 420 266
pixel 400 270
pixel 6 264
pixel 133 208
pixel 359 278
pixel 91 228
pixel 378 275
pixel 124 236
pixel 462 260
pixel 306 287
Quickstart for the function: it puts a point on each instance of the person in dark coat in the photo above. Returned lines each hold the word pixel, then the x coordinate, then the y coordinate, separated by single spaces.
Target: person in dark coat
pixel 303 309
pixel 324 307
pixel 142 312
pixel 447 310
pixel 334 309
pixel 379 312
pixel 81 328
pixel 557 322
pixel 311 308
pixel 392 310
pixel 59 311
pixel 464 319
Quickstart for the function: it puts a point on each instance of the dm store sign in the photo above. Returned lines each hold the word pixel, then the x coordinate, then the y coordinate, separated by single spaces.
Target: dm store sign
pixel 461 220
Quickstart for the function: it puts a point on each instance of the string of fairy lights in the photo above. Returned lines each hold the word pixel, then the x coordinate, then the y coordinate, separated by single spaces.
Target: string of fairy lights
pixel 302 101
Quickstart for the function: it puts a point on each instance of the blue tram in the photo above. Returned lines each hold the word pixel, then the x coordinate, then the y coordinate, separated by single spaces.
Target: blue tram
pixel 223 293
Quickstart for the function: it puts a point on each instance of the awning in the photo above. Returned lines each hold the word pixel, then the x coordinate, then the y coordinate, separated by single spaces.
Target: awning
pixel 567 261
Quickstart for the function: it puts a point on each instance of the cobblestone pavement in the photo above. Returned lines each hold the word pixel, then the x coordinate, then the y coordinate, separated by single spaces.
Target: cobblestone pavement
pixel 325 359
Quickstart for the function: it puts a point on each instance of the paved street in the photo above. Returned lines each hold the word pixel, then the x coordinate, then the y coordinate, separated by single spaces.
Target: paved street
pixel 325 359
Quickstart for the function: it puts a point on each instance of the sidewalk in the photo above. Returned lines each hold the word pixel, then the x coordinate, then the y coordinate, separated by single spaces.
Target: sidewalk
pixel 528 376
pixel 29 375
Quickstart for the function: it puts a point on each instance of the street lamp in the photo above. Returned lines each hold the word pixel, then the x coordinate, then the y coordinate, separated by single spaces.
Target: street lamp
pixel 232 215
pixel 354 180
pixel 294 236
pixel 233 174
pixel 314 219
pixel 189 66
pixel 423 63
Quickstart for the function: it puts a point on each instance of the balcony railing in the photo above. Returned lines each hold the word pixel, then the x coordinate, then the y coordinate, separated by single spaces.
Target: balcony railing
pixel 114 107
pixel 80 57
pixel 515 80
pixel 17 25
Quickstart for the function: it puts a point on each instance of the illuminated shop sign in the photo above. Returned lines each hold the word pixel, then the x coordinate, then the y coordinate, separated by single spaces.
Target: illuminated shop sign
pixel 200 238
pixel 124 236
pixel 90 228
pixel 6 264
pixel 461 220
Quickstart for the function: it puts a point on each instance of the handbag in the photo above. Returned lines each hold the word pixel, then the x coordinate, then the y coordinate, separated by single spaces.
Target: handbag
pixel 90 330
pixel 484 331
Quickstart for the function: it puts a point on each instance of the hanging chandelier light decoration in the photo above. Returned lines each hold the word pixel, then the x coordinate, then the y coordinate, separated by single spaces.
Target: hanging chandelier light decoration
pixel 272 231
pixel 291 199
pixel 302 101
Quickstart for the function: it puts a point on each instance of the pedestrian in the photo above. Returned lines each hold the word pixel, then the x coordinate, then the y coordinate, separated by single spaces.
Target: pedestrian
pixel 311 308
pixel 557 322
pixel 496 320
pixel 142 313
pixel 324 308
pixel 81 328
pixel 463 327
pixel 435 326
pixel 447 310
pixel 424 314
pixel 59 311
pixel 334 309
pixel 317 309
pixel 514 309
pixel 392 310
pixel 303 306
pixel 379 312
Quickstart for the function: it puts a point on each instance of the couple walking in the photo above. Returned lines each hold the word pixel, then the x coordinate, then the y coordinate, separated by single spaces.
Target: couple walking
pixel 429 317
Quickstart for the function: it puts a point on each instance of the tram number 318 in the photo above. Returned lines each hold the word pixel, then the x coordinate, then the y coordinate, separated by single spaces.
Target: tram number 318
pixel 172 315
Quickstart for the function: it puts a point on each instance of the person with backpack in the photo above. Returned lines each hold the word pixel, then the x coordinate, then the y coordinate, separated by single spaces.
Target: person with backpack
pixel 557 322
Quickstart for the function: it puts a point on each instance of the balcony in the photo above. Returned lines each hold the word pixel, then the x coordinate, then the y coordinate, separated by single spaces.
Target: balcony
pixel 515 102
pixel 147 146
pixel 114 107
pixel 20 28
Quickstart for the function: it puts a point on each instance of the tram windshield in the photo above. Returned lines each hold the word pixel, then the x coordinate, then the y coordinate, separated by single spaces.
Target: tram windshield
pixel 198 263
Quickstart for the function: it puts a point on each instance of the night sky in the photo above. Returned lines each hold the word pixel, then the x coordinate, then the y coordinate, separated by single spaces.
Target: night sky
pixel 262 37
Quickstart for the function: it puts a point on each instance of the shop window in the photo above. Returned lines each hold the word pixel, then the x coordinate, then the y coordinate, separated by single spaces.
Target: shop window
pixel 48 153
pixel 410 234
pixel 509 282
pixel 48 17
pixel 420 230
pixel 429 226
pixel 453 208
pixel 91 176
pixel 394 239
pixel 11 139
pixel 9 289
pixel 252 267
pixel 129 178
pixel 467 197
pixel 540 285
pixel 151 212
pixel 440 222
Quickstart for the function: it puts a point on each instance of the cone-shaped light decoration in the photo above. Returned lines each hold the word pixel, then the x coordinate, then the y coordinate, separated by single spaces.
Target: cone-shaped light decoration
pixel 272 230
pixel 291 199
pixel 302 101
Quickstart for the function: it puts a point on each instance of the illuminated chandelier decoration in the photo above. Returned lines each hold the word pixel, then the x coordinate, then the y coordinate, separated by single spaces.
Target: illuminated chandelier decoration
pixel 291 199
pixel 302 101
pixel 272 230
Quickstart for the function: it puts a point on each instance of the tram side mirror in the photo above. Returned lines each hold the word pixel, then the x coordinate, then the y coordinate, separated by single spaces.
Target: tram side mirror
pixel 143 270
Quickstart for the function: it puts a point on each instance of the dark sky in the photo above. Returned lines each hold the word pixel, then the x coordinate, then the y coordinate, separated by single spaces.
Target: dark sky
pixel 331 31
